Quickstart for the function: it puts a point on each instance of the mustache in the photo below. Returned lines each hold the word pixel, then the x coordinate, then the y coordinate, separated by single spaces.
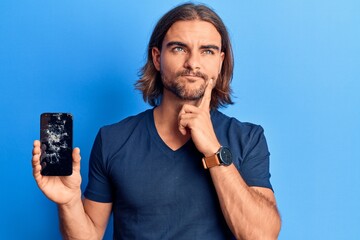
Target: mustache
pixel 188 72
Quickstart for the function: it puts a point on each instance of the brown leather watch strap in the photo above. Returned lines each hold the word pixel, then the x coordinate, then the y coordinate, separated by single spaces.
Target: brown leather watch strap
pixel 211 161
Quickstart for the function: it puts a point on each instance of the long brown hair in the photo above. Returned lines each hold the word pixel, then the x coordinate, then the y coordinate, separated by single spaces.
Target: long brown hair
pixel 150 83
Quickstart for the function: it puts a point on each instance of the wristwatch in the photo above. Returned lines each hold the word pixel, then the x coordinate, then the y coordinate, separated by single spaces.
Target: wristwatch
pixel 222 157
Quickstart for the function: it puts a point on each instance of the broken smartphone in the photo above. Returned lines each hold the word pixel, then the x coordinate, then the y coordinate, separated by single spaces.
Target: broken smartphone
pixel 56 137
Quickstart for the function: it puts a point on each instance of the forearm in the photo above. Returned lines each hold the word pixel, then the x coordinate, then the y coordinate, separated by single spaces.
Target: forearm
pixel 248 213
pixel 74 222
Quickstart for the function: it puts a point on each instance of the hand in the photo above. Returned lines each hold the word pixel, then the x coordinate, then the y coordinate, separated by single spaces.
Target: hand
pixel 59 189
pixel 196 120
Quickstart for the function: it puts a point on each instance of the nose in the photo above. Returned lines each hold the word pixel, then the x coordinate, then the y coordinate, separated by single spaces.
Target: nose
pixel 193 61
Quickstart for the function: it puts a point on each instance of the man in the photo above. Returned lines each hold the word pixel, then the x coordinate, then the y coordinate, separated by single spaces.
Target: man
pixel 181 170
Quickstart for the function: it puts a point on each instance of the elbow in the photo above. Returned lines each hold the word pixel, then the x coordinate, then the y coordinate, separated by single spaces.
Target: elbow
pixel 259 236
pixel 277 228
pixel 273 230
pixel 270 231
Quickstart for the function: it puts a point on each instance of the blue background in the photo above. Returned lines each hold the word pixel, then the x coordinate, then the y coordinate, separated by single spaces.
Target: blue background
pixel 297 68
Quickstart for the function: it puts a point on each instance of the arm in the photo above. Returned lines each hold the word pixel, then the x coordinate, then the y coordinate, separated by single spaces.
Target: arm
pixel 84 219
pixel 78 219
pixel 250 212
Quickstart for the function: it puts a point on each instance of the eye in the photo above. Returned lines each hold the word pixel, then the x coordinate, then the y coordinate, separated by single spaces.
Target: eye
pixel 208 52
pixel 178 49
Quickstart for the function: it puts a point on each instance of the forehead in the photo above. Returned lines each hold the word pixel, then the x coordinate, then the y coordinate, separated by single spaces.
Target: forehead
pixel 193 30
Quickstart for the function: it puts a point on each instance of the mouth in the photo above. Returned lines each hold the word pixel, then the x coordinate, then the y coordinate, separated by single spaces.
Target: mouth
pixel 193 75
pixel 192 78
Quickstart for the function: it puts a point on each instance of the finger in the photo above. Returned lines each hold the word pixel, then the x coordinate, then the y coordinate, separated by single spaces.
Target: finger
pixel 188 108
pixel 36 161
pixel 205 101
pixel 186 122
pixel 36 143
pixel 36 149
pixel 184 126
pixel 36 153
pixel 76 159
pixel 182 129
pixel 185 112
pixel 37 173
pixel 188 116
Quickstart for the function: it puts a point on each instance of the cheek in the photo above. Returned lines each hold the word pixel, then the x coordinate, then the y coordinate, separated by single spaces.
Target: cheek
pixel 169 68
pixel 213 69
pixel 214 72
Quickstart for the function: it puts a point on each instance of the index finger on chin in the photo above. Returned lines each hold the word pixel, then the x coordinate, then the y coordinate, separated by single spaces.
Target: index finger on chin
pixel 206 99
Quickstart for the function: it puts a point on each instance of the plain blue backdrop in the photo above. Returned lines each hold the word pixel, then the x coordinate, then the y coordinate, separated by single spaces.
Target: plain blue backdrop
pixel 297 68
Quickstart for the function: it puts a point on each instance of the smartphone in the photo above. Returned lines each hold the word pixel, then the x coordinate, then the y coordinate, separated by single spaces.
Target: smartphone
pixel 56 137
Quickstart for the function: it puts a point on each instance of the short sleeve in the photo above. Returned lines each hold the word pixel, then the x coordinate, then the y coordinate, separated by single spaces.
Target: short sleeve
pixel 99 186
pixel 255 165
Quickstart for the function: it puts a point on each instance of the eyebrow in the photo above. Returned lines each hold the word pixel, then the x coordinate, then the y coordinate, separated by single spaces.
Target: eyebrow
pixel 176 43
pixel 214 47
pixel 181 44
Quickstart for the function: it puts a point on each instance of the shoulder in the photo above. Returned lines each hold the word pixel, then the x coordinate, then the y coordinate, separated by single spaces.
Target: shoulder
pixel 248 146
pixel 235 126
pixel 115 135
pixel 127 124
pixel 241 137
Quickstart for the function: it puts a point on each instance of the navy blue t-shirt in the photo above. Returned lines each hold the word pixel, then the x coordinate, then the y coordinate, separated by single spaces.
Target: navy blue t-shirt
pixel 158 193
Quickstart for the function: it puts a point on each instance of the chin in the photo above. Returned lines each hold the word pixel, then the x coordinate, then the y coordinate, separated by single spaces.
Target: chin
pixel 191 97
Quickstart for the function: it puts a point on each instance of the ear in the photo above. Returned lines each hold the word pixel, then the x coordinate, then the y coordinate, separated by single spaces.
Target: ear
pixel 155 52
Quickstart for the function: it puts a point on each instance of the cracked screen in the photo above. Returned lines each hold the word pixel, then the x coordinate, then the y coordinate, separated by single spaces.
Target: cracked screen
pixel 56 144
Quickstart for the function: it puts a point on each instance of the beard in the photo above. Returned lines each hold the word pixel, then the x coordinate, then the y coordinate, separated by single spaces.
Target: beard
pixel 180 89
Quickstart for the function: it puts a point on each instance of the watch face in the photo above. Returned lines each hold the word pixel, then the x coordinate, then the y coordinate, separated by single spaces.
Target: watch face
pixel 225 156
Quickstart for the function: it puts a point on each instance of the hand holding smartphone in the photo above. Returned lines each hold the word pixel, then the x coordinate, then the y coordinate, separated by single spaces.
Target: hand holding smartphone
pixel 56 137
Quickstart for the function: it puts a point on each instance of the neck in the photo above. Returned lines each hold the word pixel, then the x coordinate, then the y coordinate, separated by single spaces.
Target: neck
pixel 171 105
pixel 166 120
